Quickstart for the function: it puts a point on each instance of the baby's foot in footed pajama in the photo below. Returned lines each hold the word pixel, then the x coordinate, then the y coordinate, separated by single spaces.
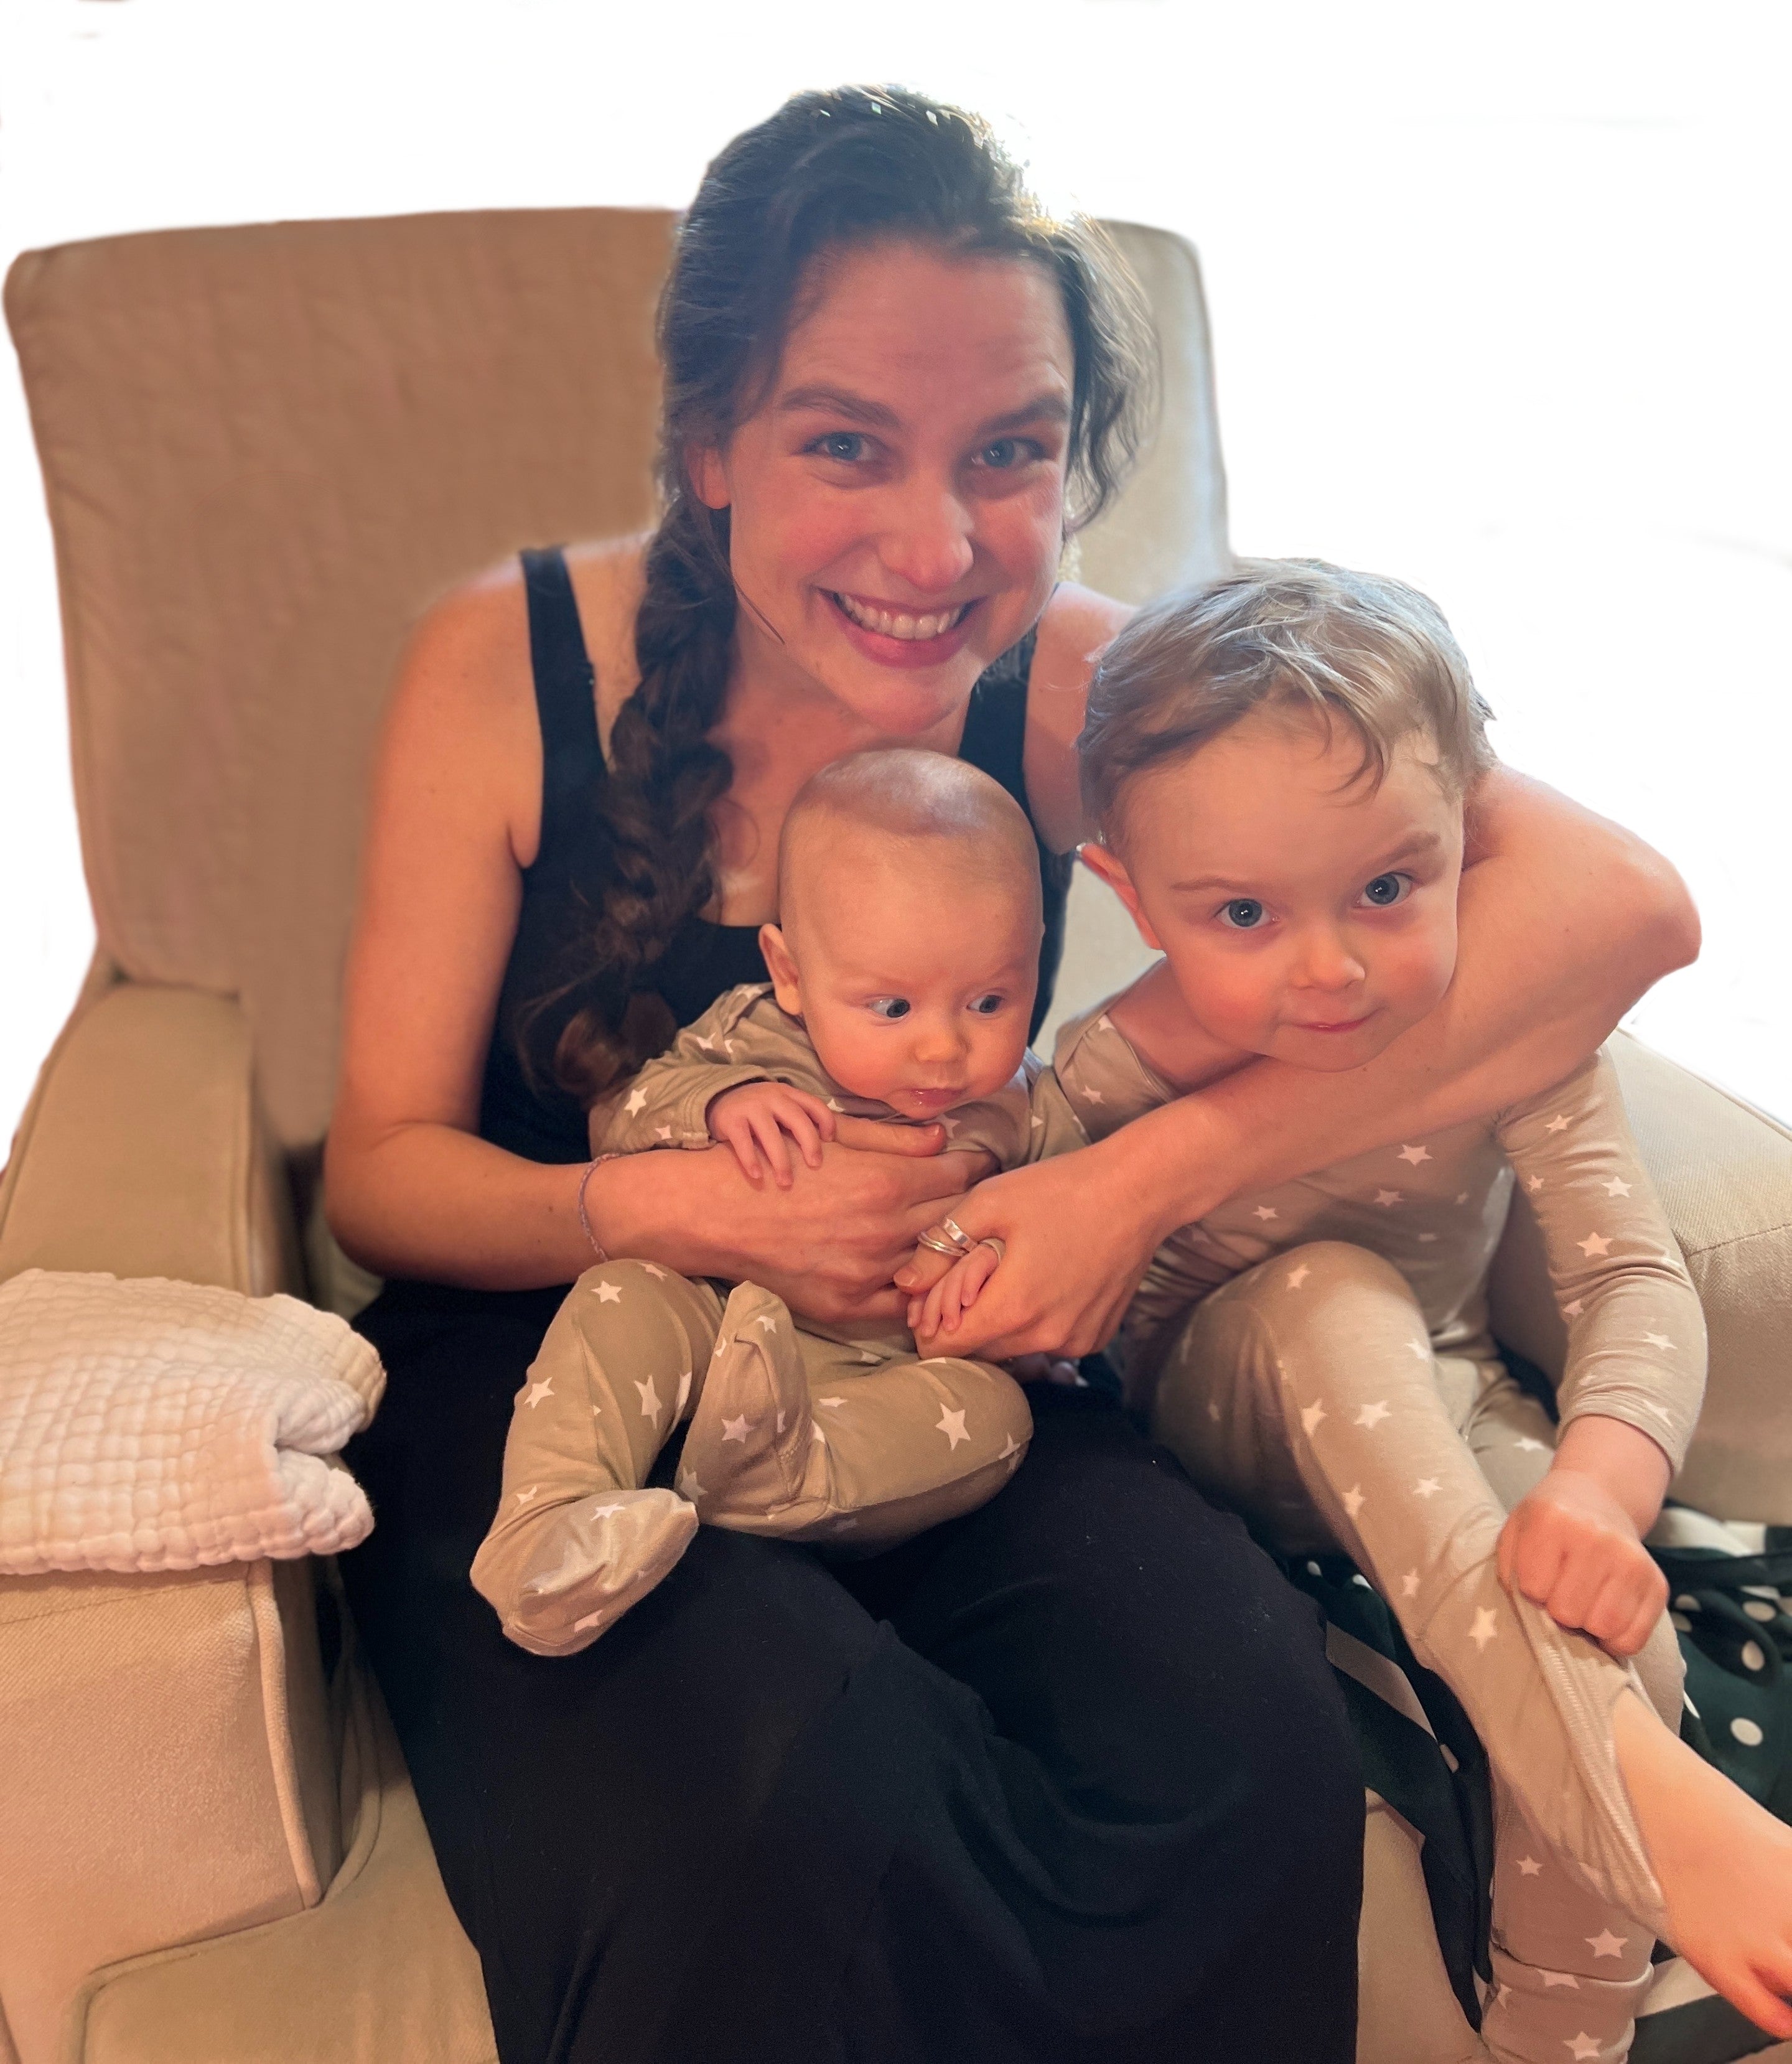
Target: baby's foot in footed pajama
pixel 748 1439
pixel 563 1576
pixel 1723 1863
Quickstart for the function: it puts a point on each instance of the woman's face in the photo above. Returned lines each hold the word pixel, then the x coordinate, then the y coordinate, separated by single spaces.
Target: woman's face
pixel 897 500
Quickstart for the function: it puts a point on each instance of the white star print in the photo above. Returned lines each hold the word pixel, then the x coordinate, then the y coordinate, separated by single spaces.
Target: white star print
pixel 1533 1183
pixel 1582 2046
pixel 1093 1096
pixel 834 1104
pixel 815 1433
pixel 779 1427
pixel 654 1269
pixel 1010 1449
pixel 1372 1415
pixel 766 1320
pixel 689 1485
pixel 1573 1310
pixel 866 1355
pixel 1660 1411
pixel 1486 1627
pixel 1266 1212
pixel 951 1126
pixel 952 1424
pixel 1353 1500
pixel 650 1400
pixel 602 1511
pixel 1564 1978
pixel 1606 1944
pixel 708 1045
pixel 1036 1122
pixel 637 1103
pixel 1310 1415
pixel 727 1045
pixel 1409 1585
pixel 662 1132
pixel 832 1403
pixel 1213 1409
pixel 1385 1198
pixel 1526 1445
pixel 1462 1198
pixel 608 1293
pixel 1658 1339
pixel 1415 1154
pixel 1595 1243
pixel 1529 1867
pixel 1419 1350
pixel 1617 1187
pixel 1558 1123
pixel 539 1391
pixel 684 1391
pixel 530 1496
pixel 1427 1487
pixel 737 1429
pixel 1104 1023
pixel 1297 1276
pixel 1501 1995
pixel 1425 1239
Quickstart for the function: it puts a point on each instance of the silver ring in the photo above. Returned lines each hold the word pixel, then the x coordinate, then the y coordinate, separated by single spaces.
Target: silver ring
pixel 998 1247
pixel 940 1246
pixel 956 1234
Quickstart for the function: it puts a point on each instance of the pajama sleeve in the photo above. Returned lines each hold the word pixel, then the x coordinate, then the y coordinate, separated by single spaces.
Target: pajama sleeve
pixel 740 1038
pixel 1636 1333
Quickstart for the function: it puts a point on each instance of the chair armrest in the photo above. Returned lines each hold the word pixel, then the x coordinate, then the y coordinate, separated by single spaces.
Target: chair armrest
pixel 169 1775
pixel 143 1152
pixel 1723 1171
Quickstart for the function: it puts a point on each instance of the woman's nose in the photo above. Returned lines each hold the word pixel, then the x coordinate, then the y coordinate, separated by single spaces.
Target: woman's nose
pixel 928 543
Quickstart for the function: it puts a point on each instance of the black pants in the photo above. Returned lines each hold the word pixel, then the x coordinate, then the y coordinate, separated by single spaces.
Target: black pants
pixel 1066 1779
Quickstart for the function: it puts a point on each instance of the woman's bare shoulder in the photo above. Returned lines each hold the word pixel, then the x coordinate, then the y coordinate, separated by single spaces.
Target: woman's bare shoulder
pixel 1077 624
pixel 608 574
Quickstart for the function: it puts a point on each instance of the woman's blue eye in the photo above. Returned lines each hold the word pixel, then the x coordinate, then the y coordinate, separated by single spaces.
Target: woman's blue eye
pixel 891 1006
pixel 1243 913
pixel 1003 454
pixel 1386 890
pixel 845 445
pixel 987 1006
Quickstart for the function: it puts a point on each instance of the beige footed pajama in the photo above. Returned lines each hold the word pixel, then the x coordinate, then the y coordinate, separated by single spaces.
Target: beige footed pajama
pixel 796 1430
pixel 1335 1380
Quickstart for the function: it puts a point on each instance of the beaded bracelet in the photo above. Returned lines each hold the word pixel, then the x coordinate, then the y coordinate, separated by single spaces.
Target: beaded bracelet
pixel 584 1220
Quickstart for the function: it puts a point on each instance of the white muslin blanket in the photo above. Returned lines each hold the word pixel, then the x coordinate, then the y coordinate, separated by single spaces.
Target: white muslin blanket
pixel 147 1425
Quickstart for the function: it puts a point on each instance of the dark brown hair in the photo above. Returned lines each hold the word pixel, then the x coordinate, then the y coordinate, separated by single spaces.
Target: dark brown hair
pixel 827 171
pixel 1357 649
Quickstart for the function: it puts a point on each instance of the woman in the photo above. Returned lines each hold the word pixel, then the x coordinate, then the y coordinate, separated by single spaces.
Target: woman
pixel 1068 1779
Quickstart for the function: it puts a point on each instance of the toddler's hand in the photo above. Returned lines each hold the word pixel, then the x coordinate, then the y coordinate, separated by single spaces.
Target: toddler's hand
pixel 756 1118
pixel 1570 1548
pixel 955 1292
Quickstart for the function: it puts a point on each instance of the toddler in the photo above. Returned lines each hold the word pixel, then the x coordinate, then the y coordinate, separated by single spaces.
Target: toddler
pixel 1277 765
pixel 904 970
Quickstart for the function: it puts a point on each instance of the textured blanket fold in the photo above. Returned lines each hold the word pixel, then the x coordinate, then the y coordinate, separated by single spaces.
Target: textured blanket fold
pixel 147 1425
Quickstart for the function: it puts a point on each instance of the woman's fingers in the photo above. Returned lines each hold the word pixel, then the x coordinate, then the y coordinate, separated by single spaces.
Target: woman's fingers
pixel 871 1134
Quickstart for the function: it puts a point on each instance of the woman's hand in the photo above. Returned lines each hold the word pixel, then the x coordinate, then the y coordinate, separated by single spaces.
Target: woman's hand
pixel 1077 1230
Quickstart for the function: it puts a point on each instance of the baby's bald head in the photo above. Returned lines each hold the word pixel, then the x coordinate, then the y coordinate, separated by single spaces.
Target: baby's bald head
pixel 940 822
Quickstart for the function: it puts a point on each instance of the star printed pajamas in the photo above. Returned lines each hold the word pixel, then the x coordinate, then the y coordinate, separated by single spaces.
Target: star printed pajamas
pixel 844 1437
pixel 1335 1379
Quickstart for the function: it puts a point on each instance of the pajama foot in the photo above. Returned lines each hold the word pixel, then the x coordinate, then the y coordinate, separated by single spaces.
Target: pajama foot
pixel 557 1578
pixel 749 1437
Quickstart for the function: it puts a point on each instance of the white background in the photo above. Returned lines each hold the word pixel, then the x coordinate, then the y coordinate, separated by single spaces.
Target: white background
pixel 1500 299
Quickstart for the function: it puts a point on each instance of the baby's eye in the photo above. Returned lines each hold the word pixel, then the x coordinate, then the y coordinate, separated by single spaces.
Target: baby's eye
pixel 846 446
pixel 1386 890
pixel 890 1006
pixel 987 1006
pixel 1243 913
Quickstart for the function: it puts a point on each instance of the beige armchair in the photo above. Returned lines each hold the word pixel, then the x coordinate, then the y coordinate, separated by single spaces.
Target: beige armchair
pixel 265 451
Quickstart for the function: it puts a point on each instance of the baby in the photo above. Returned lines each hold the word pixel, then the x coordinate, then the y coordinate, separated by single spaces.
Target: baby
pixel 1277 765
pixel 904 970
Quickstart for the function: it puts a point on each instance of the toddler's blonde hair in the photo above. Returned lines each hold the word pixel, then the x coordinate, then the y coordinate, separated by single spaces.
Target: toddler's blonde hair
pixel 1356 649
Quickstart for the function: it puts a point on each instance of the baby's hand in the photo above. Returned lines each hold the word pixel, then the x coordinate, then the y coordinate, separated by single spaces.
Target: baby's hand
pixel 955 1291
pixel 755 1120
pixel 1570 1548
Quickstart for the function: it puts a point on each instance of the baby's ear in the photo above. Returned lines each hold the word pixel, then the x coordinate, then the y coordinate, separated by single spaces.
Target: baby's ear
pixel 1112 869
pixel 781 965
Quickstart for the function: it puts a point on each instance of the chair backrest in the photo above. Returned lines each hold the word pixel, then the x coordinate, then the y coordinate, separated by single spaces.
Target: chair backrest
pixel 266 450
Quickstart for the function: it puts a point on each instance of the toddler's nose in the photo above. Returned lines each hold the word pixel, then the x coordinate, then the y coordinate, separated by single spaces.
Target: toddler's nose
pixel 1328 963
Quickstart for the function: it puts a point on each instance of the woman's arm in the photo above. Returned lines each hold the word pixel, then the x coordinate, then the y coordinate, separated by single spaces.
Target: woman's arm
pixel 1566 920
pixel 409 1188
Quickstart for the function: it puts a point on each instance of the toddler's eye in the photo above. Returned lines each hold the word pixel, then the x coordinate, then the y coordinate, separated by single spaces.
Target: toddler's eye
pixel 1387 889
pixel 987 1006
pixel 890 1006
pixel 1243 913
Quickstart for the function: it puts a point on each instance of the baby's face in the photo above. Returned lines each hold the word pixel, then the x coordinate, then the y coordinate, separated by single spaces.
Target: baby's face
pixel 914 974
pixel 1305 914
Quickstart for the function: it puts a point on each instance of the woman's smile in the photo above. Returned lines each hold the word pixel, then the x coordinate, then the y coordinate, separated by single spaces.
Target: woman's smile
pixel 897 637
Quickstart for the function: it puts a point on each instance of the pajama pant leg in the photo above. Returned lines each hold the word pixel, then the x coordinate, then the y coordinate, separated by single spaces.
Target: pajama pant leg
pixel 1306 1391
pixel 809 1439
pixel 578 1539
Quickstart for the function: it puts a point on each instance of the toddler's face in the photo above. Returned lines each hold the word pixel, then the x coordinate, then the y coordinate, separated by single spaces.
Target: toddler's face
pixel 914 976
pixel 1305 913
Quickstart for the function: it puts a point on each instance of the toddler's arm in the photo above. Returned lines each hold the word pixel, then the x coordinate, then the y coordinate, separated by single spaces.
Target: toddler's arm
pixel 1629 1397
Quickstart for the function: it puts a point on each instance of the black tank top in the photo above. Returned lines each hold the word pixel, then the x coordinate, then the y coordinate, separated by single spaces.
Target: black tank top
pixel 519 1109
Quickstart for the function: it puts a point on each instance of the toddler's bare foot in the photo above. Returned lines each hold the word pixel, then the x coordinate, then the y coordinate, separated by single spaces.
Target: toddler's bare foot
pixel 1723 1863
